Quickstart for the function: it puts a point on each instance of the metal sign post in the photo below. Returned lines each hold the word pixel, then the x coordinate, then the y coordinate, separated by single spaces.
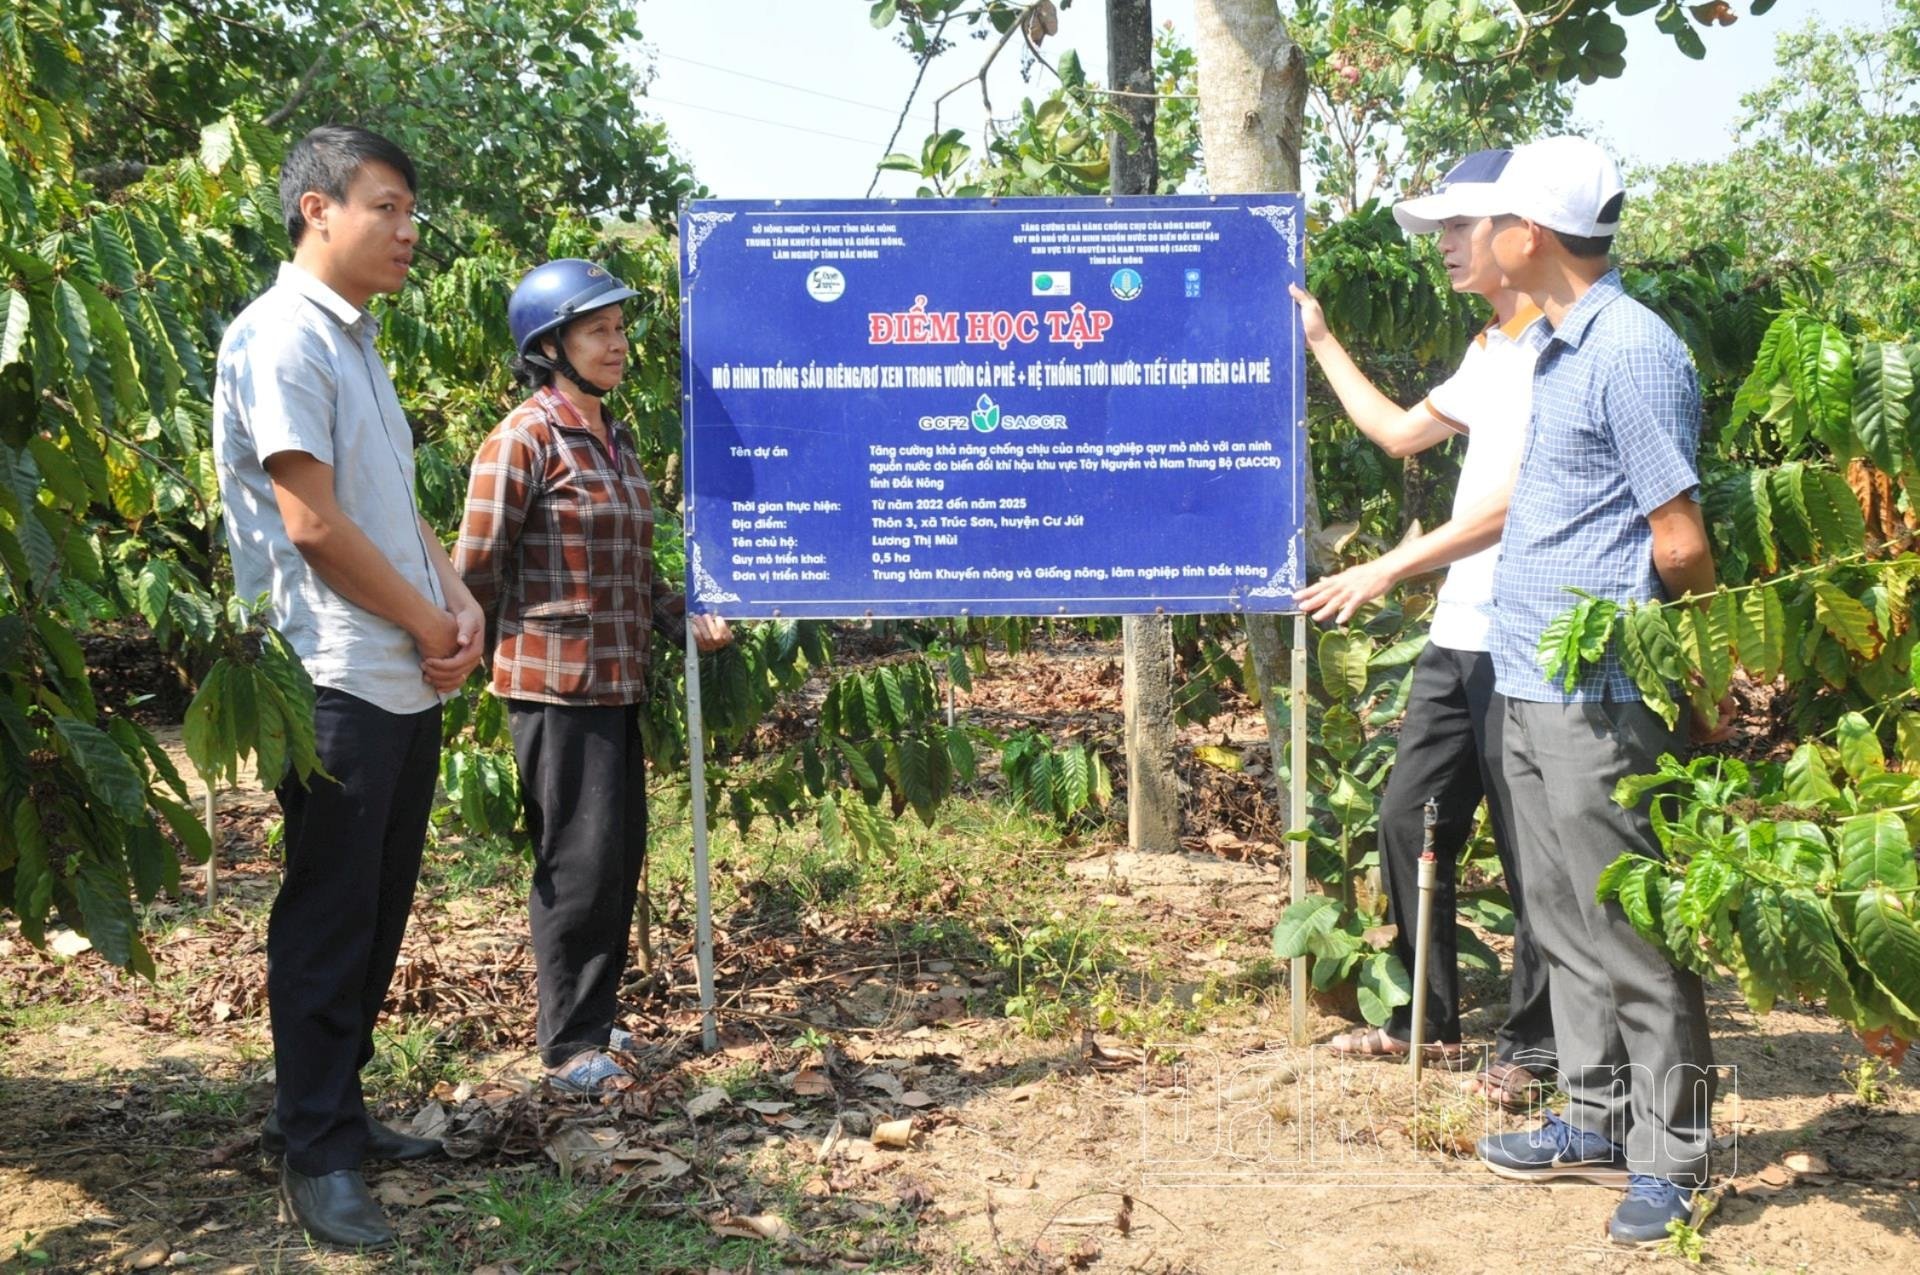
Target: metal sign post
pixel 702 889
pixel 1297 815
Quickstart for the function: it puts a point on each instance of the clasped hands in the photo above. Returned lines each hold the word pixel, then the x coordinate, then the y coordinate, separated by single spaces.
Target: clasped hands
pixel 452 645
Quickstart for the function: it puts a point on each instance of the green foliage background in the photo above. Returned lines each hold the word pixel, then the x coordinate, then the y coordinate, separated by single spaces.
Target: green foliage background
pixel 138 214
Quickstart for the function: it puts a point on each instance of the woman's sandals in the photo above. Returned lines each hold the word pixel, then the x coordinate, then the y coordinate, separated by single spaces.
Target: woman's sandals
pixel 1505 1084
pixel 1374 1042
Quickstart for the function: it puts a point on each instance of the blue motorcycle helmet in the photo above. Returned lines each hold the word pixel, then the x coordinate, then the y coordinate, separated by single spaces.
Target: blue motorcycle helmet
pixel 552 296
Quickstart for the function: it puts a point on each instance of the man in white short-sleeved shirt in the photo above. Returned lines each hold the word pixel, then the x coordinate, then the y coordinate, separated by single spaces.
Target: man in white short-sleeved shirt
pixel 316 475
pixel 1449 748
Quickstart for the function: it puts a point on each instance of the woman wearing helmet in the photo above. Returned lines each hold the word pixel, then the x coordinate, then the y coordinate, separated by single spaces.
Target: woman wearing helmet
pixel 557 546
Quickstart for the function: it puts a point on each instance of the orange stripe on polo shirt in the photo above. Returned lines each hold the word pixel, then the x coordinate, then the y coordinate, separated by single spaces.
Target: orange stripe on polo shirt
pixel 1458 427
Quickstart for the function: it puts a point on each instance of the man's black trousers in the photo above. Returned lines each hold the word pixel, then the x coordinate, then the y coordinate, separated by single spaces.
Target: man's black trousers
pixel 583 785
pixel 353 846
pixel 1450 750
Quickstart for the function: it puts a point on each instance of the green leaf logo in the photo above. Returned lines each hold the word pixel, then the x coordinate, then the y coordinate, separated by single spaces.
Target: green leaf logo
pixel 986 415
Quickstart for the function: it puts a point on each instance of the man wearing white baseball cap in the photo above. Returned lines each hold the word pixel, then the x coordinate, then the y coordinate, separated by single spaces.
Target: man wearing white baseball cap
pixel 1449 747
pixel 1606 501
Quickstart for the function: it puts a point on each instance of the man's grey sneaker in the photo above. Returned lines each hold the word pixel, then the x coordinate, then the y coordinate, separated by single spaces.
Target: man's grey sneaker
pixel 621 1039
pixel 586 1072
pixel 1652 1204
pixel 1556 1151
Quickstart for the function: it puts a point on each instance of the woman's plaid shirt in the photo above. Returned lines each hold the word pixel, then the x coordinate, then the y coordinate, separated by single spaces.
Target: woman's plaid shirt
pixel 557 546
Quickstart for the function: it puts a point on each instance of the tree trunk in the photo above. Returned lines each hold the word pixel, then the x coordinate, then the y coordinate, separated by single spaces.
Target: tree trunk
pixel 1253 96
pixel 1135 169
pixel 1153 777
pixel 1253 101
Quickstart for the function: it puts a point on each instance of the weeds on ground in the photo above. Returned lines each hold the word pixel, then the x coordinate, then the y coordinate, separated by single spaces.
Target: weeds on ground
pixel 224 1103
pixel 930 874
pixel 534 1222
pixel 1869 1080
pixel 1448 1125
pixel 409 1059
pixel 1683 1238
pixel 930 895
pixel 745 1080
pixel 43 1016
pixel 470 865
pixel 1053 967
pixel 27 1254
pixel 811 1038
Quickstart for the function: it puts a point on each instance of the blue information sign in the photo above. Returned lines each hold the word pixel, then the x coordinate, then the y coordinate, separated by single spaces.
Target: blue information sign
pixel 1073 406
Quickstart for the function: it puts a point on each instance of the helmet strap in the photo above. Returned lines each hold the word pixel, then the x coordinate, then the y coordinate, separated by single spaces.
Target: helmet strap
pixel 563 365
pixel 559 362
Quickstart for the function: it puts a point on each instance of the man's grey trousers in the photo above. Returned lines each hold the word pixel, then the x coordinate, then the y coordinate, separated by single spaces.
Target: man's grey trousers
pixel 1636 1062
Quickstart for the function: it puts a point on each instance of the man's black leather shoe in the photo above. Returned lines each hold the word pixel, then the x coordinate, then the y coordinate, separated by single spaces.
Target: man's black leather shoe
pixel 334 1208
pixel 382 1143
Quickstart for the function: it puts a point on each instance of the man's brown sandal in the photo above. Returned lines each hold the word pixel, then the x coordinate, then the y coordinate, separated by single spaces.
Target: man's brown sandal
pixel 1508 1085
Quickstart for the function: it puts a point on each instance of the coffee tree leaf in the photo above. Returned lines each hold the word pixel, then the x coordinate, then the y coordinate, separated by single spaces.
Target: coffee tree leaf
pixel 1823 385
pixel 106 910
pixel 1710 882
pixel 1888 945
pixel 1632 893
pixel 283 669
pixel 1876 852
pixel 1760 633
pixel 206 745
pixel 1753 518
pixel 1787 488
pixel 857 766
pixel 1834 512
pixel 1760 926
pixel 60 472
pixel 1808 781
pixel 960 755
pixel 1860 751
pixel 1842 615
pixel 1474 952
pixel 114 779
pixel 1882 385
pixel 1812 951
pixel 186 825
pixel 270 733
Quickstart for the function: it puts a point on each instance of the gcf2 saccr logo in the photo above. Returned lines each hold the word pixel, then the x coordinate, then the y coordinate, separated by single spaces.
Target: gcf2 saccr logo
pixel 826 283
pixel 986 417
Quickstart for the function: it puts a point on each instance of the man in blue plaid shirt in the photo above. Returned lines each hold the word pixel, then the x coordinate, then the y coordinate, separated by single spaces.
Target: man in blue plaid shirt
pixel 1607 501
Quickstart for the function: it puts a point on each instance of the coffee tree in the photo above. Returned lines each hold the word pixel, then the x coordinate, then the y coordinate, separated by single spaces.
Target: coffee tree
pixel 138 214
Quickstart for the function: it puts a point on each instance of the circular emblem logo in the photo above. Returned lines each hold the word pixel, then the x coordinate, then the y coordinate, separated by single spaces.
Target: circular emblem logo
pixel 1126 283
pixel 825 283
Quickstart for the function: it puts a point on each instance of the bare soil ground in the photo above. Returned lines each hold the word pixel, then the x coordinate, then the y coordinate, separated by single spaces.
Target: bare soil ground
pixel 1168 1127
